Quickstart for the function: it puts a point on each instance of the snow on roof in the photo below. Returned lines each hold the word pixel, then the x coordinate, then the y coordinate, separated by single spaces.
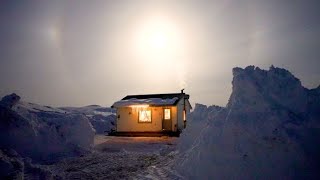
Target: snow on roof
pixel 149 101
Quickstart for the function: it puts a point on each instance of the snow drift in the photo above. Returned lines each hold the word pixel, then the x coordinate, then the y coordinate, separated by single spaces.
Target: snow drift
pixel 103 119
pixel 42 133
pixel 198 120
pixel 270 129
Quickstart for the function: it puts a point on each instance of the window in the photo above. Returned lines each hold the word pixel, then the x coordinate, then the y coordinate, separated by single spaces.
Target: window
pixel 167 114
pixel 145 116
pixel 184 115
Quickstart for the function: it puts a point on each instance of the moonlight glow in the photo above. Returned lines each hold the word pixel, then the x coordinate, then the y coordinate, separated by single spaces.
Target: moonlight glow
pixel 157 39
pixel 160 48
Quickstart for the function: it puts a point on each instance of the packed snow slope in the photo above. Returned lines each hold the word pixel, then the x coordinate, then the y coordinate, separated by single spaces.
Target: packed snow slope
pixel 42 133
pixel 270 129
pixel 103 119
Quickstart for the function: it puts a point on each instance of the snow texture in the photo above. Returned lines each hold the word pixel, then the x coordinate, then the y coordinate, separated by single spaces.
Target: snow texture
pixel 13 166
pixel 198 120
pixel 149 101
pixel 43 133
pixel 103 119
pixel 122 158
pixel 270 129
pixel 90 110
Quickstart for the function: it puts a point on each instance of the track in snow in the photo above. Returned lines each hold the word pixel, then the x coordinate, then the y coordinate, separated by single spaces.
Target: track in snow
pixel 122 158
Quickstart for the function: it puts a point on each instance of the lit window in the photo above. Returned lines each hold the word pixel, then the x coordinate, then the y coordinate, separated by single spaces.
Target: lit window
pixel 145 116
pixel 167 114
pixel 184 115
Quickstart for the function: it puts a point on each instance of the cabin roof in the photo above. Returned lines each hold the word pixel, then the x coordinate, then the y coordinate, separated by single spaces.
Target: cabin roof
pixel 151 99
pixel 161 96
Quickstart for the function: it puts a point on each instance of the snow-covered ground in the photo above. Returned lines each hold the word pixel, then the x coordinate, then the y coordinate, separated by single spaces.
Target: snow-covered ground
pixel 111 158
pixel 270 129
pixel 122 158
pixel 33 136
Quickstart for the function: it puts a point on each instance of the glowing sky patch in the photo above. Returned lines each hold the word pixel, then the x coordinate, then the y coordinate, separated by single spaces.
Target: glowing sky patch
pixel 66 53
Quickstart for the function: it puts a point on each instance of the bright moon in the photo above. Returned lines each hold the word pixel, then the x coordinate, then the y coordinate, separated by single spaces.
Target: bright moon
pixel 157 38
pixel 159 49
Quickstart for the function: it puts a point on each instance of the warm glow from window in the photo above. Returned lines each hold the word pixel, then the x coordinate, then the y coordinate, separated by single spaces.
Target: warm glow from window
pixel 145 116
pixel 184 115
pixel 167 114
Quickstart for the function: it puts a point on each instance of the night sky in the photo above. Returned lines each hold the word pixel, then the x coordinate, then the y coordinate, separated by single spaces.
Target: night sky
pixel 75 53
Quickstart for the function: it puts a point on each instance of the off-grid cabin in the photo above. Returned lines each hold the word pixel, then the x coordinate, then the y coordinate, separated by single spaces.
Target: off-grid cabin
pixel 152 113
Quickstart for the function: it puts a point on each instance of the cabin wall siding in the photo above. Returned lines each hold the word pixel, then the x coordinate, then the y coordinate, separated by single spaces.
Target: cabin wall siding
pixel 180 114
pixel 174 118
pixel 180 107
pixel 128 121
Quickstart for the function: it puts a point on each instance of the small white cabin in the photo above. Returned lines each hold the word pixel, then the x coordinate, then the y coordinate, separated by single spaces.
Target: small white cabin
pixel 152 113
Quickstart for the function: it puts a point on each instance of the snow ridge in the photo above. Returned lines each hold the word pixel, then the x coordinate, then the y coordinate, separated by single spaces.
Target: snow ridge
pixel 42 133
pixel 103 119
pixel 268 130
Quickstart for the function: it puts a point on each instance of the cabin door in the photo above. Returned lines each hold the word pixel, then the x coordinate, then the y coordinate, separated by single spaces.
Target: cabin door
pixel 167 119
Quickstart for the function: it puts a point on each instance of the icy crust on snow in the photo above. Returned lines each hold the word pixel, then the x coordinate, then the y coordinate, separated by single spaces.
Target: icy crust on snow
pixel 43 133
pixel 103 119
pixel 149 101
pixel 270 129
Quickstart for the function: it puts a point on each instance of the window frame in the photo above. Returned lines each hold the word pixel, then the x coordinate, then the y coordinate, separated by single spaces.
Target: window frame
pixel 139 121
pixel 164 110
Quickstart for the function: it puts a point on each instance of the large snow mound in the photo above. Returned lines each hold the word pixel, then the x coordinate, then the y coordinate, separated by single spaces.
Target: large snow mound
pixel 197 122
pixel 42 133
pixel 103 119
pixel 270 129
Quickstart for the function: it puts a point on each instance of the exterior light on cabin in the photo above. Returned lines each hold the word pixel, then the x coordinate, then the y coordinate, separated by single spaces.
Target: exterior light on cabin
pixel 139 106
